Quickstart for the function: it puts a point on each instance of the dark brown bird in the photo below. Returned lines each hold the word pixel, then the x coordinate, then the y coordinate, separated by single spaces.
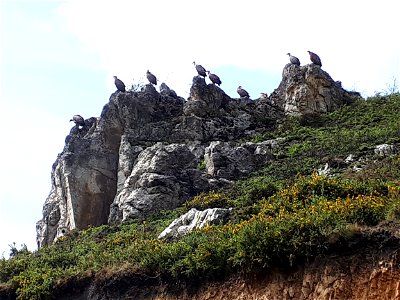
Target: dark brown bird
pixel 214 78
pixel 200 70
pixel 151 78
pixel 119 84
pixel 315 58
pixel 242 92
pixel 78 120
pixel 294 60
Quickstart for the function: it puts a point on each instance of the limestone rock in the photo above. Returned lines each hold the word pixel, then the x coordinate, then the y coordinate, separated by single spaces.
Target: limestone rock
pixel 350 158
pixel 309 89
pixel 229 161
pixel 142 154
pixel 166 91
pixel 163 177
pixel 83 182
pixel 194 219
pixel 385 150
pixel 85 175
pixel 205 100
pixel 324 171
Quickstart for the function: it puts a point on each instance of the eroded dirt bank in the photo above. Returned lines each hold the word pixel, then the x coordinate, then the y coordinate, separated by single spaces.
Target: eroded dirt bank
pixel 365 266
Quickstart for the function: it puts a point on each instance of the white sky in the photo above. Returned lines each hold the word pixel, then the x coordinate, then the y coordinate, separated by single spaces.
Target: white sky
pixel 58 59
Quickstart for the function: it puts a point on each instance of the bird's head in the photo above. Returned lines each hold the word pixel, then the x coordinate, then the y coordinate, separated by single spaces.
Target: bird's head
pixel 288 54
pixel 309 52
pixel 239 87
pixel 115 77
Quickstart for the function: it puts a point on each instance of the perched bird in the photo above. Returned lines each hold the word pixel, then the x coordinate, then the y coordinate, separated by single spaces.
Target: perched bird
pixel 78 120
pixel 214 78
pixel 151 78
pixel 242 92
pixel 294 60
pixel 200 70
pixel 315 58
pixel 119 84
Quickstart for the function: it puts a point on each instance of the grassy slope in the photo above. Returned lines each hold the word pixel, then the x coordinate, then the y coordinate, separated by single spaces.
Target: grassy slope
pixel 284 212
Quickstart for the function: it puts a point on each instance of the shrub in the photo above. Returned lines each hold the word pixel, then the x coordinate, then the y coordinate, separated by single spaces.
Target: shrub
pixel 208 200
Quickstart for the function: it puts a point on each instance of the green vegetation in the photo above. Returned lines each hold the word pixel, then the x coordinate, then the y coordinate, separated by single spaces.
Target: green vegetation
pixel 283 214
pixel 202 165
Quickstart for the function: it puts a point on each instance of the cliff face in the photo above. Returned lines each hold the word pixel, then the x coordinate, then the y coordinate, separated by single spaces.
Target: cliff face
pixel 150 151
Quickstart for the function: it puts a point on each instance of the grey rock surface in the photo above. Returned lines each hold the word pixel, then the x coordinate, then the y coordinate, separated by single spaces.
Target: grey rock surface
pixel 163 176
pixel 194 219
pixel 143 153
pixel 309 89
pixel 231 161
pixel 385 149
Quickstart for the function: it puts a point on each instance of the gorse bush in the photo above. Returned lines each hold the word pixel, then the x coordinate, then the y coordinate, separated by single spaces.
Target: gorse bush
pixel 208 200
pixel 283 213
pixel 289 226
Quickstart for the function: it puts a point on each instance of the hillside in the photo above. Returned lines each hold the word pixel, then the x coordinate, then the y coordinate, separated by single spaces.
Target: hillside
pixel 317 216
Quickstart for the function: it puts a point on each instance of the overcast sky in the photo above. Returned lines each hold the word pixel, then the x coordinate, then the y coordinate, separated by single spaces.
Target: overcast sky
pixel 58 58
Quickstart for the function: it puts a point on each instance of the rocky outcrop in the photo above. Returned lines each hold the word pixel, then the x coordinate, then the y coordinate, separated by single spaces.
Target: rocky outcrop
pixel 386 149
pixel 83 180
pixel 309 89
pixel 164 176
pixel 85 174
pixel 142 154
pixel 194 219
pixel 225 160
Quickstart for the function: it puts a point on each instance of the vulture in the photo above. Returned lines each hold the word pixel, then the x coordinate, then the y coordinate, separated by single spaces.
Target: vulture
pixel 78 120
pixel 242 92
pixel 315 58
pixel 119 84
pixel 214 78
pixel 200 70
pixel 294 60
pixel 151 78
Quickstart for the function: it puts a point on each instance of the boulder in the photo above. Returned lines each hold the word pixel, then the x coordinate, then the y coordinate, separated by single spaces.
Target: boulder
pixel 205 99
pixel 385 150
pixel 308 90
pixel 194 219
